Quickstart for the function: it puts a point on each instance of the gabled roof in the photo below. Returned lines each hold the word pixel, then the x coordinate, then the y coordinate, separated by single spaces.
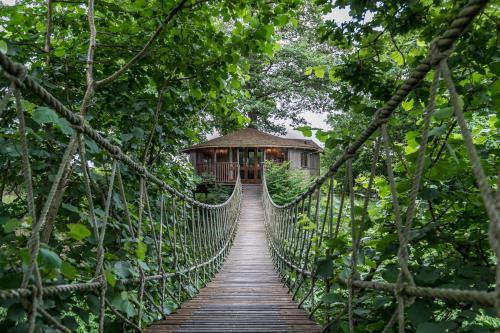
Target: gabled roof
pixel 251 137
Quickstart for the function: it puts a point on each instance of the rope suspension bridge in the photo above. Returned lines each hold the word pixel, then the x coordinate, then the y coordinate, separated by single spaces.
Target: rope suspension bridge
pixel 192 242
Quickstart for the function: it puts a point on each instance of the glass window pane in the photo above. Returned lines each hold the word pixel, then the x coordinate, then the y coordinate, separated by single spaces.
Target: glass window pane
pixel 242 156
pixel 251 159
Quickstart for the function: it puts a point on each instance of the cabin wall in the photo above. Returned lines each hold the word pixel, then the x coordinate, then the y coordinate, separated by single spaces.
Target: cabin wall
pixel 314 164
pixel 192 157
pixel 294 158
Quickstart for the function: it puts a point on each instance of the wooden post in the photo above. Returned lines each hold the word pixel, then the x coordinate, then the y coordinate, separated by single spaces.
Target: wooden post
pixel 215 164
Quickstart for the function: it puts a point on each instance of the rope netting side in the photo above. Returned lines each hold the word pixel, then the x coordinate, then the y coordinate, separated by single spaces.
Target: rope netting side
pixel 157 246
pixel 304 243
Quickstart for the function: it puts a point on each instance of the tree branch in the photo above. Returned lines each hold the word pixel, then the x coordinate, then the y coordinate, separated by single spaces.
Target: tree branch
pixel 90 60
pixel 145 49
pixel 48 32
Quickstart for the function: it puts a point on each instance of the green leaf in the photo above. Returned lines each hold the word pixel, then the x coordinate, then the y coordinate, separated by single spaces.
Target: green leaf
pixel 308 71
pixel 419 312
pixel 11 225
pixel 16 312
pixel 390 273
pixel 3 46
pixel 68 270
pixel 408 104
pixel 65 126
pixel 495 67
pixel 236 84
pixel 121 302
pixel 431 328
pixel 141 250
pixel 429 193
pixel 196 93
pixel 397 57
pixel 332 298
pixel 49 259
pixel 44 115
pixel 322 135
pixel 78 231
pixel 110 277
pixel 442 114
pixel 324 268
pixel 332 142
pixel 138 132
pixel 306 130
pixel 336 244
pixel 332 76
pixel 319 72
pixel 437 131
pixel 122 269
pixel 427 275
pixel 60 52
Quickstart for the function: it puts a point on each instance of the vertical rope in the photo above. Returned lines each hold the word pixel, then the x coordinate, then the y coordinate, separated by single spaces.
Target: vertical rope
pixel 36 298
pixel 352 276
pixel 99 272
pixel 481 179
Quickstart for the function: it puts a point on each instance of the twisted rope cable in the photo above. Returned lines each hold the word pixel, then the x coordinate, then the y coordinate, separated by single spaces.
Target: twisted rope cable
pixel 484 188
pixel 404 289
pixel 405 276
pixel 446 41
pixel 16 71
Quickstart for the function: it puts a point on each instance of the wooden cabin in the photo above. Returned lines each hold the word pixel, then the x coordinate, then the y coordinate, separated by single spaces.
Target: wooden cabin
pixel 249 148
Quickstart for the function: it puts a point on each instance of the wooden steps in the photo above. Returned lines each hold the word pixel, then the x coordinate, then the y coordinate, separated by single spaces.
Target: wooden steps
pixel 247 294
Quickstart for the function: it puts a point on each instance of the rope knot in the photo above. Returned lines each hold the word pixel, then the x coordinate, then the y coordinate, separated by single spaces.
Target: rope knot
pixel 18 75
pixel 436 54
pixel 349 155
pixel 116 153
pixel 35 291
pixel 399 290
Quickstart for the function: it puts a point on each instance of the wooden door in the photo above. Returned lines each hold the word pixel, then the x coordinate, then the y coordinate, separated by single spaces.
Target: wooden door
pixel 250 168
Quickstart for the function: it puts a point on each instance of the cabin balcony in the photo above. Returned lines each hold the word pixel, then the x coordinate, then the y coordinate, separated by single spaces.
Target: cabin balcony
pixel 220 172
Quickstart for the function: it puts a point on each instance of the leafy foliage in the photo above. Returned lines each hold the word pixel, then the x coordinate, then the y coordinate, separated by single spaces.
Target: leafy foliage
pixel 449 241
pixel 193 70
pixel 283 182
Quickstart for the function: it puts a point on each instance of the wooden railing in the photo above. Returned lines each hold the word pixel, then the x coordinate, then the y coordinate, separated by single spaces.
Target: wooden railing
pixel 223 172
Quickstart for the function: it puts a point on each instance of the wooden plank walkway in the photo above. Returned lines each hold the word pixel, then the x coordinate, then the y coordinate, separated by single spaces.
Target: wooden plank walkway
pixel 247 294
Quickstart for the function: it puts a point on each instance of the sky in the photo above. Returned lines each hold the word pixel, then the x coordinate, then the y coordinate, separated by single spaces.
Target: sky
pixel 314 119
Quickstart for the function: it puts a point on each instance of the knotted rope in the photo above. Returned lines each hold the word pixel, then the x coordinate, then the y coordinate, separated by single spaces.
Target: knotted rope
pixel 278 220
pixel 218 243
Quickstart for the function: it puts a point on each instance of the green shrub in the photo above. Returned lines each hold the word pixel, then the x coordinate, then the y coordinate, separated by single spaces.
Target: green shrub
pixel 284 183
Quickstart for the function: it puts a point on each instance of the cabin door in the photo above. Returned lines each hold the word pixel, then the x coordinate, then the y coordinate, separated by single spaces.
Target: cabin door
pixel 250 160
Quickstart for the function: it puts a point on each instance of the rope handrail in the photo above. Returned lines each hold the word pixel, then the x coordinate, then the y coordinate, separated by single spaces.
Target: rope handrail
pixel 197 234
pixel 57 289
pixel 444 42
pixel 295 230
pixel 17 73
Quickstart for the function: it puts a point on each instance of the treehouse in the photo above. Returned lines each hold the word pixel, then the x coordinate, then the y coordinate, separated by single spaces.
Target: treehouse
pixel 246 150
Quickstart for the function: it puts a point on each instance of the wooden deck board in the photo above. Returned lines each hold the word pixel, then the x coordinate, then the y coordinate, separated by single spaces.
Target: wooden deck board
pixel 247 294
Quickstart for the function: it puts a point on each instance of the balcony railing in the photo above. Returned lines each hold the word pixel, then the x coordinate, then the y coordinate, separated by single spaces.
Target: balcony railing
pixel 223 172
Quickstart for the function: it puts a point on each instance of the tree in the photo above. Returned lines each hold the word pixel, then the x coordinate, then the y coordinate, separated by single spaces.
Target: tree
pixel 145 74
pixel 280 86
pixel 449 240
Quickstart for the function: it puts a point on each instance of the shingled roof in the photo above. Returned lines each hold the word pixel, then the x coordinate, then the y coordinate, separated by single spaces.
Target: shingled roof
pixel 251 137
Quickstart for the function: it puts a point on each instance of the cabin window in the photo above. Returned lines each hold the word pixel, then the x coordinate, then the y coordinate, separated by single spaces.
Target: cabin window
pixel 303 159
pixel 277 155
pixel 222 155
